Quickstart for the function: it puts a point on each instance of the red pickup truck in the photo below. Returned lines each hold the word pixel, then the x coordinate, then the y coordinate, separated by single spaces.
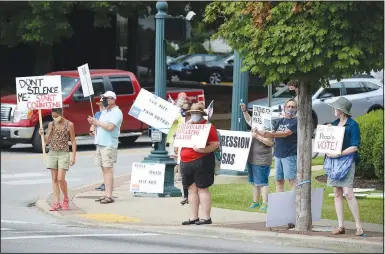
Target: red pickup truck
pixel 22 127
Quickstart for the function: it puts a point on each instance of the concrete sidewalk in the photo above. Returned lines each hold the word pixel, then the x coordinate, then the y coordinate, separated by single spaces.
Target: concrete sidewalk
pixel 164 215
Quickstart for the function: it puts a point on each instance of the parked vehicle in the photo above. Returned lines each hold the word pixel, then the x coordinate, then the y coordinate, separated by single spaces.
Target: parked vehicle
pixel 366 94
pixel 22 126
pixel 184 68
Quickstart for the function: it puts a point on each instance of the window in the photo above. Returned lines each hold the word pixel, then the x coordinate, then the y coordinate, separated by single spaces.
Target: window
pixel 371 87
pixel 98 86
pixel 334 89
pixel 67 85
pixel 210 58
pixel 354 87
pixel 121 85
pixel 194 59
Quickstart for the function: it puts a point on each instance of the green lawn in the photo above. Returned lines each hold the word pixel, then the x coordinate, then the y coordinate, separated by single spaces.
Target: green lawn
pixel 239 197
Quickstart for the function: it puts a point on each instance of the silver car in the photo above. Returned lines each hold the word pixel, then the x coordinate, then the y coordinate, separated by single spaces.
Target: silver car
pixel 366 94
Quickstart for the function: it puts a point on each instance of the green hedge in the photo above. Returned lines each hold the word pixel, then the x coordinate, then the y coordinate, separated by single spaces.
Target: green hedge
pixel 372 145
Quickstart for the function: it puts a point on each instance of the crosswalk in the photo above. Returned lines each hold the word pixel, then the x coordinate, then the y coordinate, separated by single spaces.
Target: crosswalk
pixel 30 178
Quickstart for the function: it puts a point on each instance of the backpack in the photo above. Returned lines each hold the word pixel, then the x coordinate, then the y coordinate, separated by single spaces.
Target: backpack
pixel 218 151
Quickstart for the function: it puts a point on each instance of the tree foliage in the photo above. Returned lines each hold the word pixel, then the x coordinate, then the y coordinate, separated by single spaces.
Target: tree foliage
pixel 307 40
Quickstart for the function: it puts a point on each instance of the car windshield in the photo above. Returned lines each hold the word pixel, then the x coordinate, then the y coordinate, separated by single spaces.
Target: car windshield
pixel 67 85
pixel 180 59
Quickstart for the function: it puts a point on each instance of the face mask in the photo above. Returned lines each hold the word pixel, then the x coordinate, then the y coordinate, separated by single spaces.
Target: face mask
pixel 196 118
pixel 291 112
pixel 57 119
pixel 292 92
pixel 105 103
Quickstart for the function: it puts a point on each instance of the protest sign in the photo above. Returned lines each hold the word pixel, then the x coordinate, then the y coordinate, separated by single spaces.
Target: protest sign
pixel 329 139
pixel 190 135
pixel 147 177
pixel 85 80
pixel 276 216
pixel 39 92
pixel 261 118
pixel 154 111
pixel 235 149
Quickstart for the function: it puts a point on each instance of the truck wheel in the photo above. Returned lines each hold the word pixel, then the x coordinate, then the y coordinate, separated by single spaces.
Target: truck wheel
pixel 36 139
pixel 128 140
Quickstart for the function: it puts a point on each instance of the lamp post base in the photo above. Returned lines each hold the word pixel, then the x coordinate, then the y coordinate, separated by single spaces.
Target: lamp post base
pixel 169 190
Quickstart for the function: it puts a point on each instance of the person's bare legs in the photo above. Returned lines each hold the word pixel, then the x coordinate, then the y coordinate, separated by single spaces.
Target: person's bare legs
pixel 62 182
pixel 55 185
pixel 193 200
pixel 256 193
pixel 265 193
pixel 205 201
pixel 108 175
pixel 353 205
pixel 339 205
pixel 279 185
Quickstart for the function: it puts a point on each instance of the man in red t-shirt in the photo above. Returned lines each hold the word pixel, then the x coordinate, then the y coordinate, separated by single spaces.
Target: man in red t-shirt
pixel 197 167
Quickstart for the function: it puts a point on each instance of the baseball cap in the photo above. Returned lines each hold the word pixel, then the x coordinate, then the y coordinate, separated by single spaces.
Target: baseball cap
pixel 109 94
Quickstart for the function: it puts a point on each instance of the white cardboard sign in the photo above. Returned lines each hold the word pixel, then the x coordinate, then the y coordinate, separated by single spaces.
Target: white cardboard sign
pixel 85 80
pixel 190 135
pixel 154 111
pixel 147 177
pixel 261 118
pixel 39 92
pixel 329 139
pixel 235 149
pixel 282 207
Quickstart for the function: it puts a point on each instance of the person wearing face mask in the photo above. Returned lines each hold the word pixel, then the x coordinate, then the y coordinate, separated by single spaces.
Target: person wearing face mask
pixel 293 89
pixel 285 148
pixel 341 167
pixel 106 141
pixel 60 131
pixel 198 167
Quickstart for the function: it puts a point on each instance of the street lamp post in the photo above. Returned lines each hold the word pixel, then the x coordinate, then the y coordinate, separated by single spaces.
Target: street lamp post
pixel 240 95
pixel 159 153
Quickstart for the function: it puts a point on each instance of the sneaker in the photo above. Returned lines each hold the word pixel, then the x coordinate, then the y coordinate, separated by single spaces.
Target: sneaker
pixel 255 205
pixel 263 208
pixel 65 205
pixel 55 207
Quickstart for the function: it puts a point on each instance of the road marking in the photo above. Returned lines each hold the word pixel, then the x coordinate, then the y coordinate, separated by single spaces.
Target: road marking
pixel 71 236
pixel 3 171
pixel 37 181
pixel 6 229
pixel 108 217
pixel 8 176
pixel 15 222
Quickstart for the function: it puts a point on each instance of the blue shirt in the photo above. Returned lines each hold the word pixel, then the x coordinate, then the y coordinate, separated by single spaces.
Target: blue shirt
pixel 97 115
pixel 286 146
pixel 352 136
pixel 109 138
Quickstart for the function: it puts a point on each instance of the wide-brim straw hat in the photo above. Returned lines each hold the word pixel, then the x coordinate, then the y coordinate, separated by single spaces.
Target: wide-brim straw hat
pixel 342 104
pixel 197 108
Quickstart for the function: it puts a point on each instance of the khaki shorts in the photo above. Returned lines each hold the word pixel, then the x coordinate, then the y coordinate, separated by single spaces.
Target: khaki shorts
pixel 106 156
pixel 58 160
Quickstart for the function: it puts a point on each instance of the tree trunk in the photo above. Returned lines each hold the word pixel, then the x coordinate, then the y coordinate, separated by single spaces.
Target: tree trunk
pixel 43 60
pixel 303 190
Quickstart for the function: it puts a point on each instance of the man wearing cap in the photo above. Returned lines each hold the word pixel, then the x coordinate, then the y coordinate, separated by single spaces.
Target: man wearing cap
pixel 106 141
pixel 197 167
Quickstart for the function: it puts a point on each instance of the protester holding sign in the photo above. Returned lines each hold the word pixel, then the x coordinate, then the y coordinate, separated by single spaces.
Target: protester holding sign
pixel 197 167
pixel 106 141
pixel 60 131
pixel 341 167
pixel 259 162
pixel 285 149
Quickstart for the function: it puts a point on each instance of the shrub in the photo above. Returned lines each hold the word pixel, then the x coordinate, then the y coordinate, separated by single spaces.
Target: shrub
pixel 372 145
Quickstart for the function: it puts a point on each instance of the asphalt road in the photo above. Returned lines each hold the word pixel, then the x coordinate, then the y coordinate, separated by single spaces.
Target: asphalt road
pixel 26 229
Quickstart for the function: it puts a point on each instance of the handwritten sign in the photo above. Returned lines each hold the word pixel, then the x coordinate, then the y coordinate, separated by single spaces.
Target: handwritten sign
pixel 39 92
pixel 188 135
pixel 261 118
pixel 147 177
pixel 85 80
pixel 154 111
pixel 329 139
pixel 235 149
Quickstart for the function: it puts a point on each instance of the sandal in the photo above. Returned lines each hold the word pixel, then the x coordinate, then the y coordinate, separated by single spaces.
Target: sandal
pixel 184 201
pixel 190 222
pixel 338 231
pixel 360 232
pixel 107 200
pixel 100 199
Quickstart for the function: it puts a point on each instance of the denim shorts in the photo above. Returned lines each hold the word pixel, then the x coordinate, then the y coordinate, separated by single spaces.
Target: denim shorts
pixel 258 174
pixel 286 168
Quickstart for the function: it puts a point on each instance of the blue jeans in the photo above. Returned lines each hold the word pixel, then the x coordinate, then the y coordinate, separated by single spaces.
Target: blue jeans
pixel 286 168
pixel 258 174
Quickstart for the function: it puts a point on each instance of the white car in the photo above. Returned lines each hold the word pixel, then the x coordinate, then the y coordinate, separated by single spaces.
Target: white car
pixel 366 94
